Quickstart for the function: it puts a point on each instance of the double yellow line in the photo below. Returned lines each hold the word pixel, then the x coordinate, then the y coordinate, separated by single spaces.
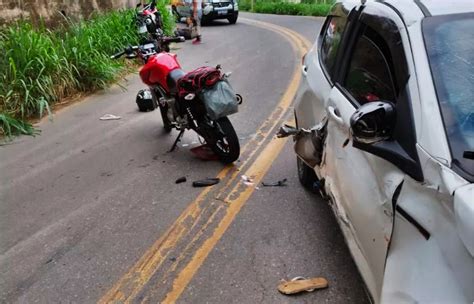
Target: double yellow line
pixel 189 231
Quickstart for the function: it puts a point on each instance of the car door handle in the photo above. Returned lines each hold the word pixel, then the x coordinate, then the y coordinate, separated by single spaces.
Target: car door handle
pixel 304 70
pixel 334 115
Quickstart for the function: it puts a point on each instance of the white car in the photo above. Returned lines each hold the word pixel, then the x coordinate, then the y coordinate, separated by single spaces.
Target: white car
pixel 385 130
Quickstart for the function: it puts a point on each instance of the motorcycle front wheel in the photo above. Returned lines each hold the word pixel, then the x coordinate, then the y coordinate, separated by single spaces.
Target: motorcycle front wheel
pixel 225 143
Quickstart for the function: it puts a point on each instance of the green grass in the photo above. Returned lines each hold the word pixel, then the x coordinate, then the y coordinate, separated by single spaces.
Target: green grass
pixel 169 22
pixel 306 8
pixel 40 66
pixel 10 126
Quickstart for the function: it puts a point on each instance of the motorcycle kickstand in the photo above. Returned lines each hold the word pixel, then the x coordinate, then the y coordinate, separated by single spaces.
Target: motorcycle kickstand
pixel 178 139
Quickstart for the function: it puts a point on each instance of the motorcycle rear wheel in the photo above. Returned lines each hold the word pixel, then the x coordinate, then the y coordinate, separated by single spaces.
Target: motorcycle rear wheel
pixel 226 145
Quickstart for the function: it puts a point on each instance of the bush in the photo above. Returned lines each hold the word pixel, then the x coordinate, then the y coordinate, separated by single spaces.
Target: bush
pixel 287 8
pixel 41 66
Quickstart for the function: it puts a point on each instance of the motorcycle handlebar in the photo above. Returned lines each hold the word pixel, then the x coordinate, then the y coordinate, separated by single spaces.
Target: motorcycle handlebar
pixel 118 55
pixel 128 50
pixel 131 49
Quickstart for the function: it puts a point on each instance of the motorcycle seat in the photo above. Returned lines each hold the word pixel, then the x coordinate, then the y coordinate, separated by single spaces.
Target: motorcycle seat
pixel 172 79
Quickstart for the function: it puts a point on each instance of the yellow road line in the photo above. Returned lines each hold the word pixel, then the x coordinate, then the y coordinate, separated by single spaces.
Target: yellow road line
pixel 135 279
pixel 236 198
pixel 137 276
pixel 257 171
pixel 301 42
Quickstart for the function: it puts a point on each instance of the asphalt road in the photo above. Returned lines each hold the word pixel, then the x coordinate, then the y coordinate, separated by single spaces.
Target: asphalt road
pixel 89 210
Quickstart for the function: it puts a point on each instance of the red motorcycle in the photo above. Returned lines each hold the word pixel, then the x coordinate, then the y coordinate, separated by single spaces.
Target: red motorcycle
pixel 199 100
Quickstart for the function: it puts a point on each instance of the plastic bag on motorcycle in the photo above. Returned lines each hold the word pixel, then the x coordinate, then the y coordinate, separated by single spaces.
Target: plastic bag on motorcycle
pixel 220 100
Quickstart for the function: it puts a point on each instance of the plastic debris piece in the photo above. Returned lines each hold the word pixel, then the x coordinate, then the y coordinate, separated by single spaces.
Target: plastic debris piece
pixel 206 182
pixel 181 180
pixel 300 284
pixel 247 180
pixel 110 117
pixel 204 152
pixel 280 183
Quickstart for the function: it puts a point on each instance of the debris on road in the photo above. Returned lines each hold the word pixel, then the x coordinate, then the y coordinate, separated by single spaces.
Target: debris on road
pixel 300 284
pixel 204 152
pixel 206 182
pixel 247 180
pixel 110 117
pixel 280 183
pixel 181 180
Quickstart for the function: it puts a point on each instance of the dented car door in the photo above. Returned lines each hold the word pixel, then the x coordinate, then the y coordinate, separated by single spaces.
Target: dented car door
pixel 361 184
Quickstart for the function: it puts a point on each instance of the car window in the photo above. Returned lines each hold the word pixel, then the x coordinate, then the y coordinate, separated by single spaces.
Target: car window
pixel 368 77
pixel 331 41
pixel 449 43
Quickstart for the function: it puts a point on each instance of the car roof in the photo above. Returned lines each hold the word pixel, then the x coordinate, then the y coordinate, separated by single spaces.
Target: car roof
pixel 433 7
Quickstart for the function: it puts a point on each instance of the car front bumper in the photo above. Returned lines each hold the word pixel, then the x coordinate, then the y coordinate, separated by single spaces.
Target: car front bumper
pixel 212 13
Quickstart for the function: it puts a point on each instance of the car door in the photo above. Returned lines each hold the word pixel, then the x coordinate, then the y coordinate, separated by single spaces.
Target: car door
pixel 362 185
pixel 317 70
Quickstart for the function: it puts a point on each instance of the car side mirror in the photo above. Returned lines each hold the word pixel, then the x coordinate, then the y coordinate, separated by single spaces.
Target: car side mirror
pixel 373 122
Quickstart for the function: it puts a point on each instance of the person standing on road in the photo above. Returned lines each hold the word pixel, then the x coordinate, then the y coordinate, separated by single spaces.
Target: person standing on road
pixel 197 14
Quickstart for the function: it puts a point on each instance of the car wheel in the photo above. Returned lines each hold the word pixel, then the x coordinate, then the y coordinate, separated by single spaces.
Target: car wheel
pixel 306 174
pixel 232 19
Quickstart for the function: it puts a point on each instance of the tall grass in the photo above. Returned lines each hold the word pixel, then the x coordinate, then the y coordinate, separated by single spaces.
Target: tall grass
pixel 40 66
pixel 169 22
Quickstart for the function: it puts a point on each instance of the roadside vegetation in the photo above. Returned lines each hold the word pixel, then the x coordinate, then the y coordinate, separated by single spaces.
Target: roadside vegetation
pixel 279 7
pixel 41 66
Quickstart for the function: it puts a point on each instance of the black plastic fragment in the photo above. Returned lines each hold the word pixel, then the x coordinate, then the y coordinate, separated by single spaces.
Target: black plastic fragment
pixel 206 182
pixel 181 180
pixel 280 183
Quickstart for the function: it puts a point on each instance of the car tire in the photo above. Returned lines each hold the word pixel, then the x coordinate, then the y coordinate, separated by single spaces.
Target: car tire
pixel 232 19
pixel 306 174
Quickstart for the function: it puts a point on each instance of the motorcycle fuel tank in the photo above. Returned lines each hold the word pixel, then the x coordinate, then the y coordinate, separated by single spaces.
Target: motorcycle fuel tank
pixel 157 68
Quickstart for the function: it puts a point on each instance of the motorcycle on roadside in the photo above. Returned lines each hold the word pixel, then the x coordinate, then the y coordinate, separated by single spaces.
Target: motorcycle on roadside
pixel 148 19
pixel 199 100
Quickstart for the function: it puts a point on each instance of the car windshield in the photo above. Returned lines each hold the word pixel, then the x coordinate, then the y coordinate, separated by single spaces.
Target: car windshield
pixel 449 43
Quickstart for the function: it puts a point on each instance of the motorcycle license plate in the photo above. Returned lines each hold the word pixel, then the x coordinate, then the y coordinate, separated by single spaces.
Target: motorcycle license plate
pixel 222 12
